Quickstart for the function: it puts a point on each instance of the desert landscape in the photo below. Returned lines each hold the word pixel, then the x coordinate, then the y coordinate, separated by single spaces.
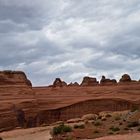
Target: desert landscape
pixel 69 70
pixel 90 110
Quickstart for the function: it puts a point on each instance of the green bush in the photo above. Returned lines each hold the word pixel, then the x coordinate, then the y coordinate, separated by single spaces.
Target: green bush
pixel 61 129
pixel 134 108
pixel 126 128
pixel 81 126
pixel 133 124
pixel 110 133
pixel 114 129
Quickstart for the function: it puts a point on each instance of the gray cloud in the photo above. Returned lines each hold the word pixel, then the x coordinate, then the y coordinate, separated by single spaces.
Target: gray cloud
pixel 70 38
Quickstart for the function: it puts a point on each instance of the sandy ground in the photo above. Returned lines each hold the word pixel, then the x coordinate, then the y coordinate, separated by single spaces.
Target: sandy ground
pixel 135 136
pixel 42 133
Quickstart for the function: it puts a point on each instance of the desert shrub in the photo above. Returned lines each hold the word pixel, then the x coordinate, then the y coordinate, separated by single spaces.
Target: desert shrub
pixel 104 119
pixel 110 133
pixel 61 129
pixel 117 118
pixel 1 138
pixel 133 124
pixel 134 108
pixel 126 128
pixel 114 129
pixel 97 123
pixel 99 117
pixel 81 126
pixel 138 129
pixel 96 131
pixel 120 123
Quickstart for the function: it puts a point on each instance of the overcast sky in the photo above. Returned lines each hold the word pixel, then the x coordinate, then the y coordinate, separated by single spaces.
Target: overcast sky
pixel 70 38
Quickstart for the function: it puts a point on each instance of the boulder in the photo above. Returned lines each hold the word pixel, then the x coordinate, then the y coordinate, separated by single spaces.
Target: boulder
pixel 75 120
pixel 90 117
pixel 89 81
pixel 105 81
pixel 125 78
pixel 18 103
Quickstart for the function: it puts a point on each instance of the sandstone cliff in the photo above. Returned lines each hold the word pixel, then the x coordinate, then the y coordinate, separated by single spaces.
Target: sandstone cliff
pixel 17 78
pixel 17 99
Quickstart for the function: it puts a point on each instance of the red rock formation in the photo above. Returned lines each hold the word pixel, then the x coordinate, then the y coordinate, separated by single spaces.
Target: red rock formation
pixel 86 107
pixel 105 81
pixel 89 81
pixel 17 100
pixel 125 78
pixel 73 84
pixel 21 105
pixel 14 78
pixel 59 83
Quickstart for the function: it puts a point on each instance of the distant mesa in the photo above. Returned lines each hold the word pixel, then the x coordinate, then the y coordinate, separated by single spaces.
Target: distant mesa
pixel 125 78
pixel 59 83
pixel 73 84
pixel 89 81
pixel 9 77
pixel 105 81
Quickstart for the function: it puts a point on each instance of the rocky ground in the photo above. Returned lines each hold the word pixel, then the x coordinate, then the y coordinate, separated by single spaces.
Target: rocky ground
pixel 103 126
pixel 135 136
pixel 40 133
pixel 93 126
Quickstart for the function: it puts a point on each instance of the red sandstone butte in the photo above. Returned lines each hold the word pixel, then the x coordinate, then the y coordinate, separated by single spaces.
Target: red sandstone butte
pixel 17 100
pixel 26 106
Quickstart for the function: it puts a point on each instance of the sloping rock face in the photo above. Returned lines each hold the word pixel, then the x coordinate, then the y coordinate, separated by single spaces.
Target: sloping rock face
pixel 14 78
pixel 89 81
pixel 105 81
pixel 59 83
pixel 86 107
pixel 125 78
pixel 17 100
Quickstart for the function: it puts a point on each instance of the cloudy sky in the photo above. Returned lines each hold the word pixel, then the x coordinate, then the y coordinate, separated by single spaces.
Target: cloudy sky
pixel 70 38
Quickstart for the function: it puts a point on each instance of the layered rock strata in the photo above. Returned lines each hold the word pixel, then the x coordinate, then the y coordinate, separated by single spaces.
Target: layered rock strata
pixel 17 99
pixel 89 81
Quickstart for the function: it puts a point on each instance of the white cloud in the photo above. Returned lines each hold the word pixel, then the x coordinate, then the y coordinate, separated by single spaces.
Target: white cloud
pixel 70 38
